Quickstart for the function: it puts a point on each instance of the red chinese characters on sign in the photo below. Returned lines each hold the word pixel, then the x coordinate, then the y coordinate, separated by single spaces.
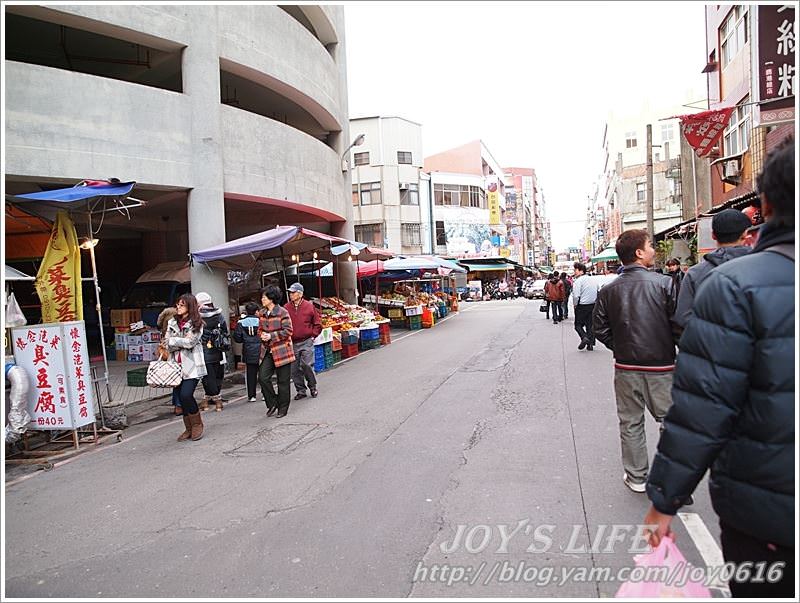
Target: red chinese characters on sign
pixel 62 293
pixel 39 355
pixel 702 130
pixel 41 377
pixel 45 403
pixel 54 342
pixel 21 343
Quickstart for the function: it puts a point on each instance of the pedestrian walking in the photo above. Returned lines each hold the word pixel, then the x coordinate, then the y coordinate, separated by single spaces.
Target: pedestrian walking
pixel 584 296
pixel 567 291
pixel 632 317
pixel 728 229
pixel 246 333
pixel 184 332
pixel 275 332
pixel 554 294
pixel 306 326
pixel 216 341
pixel 733 398
pixel 675 273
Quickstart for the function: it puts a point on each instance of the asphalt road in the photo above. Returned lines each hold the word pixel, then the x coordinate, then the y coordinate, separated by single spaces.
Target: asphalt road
pixel 476 459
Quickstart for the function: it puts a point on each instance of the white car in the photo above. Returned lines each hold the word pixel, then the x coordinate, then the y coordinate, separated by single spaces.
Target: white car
pixel 536 289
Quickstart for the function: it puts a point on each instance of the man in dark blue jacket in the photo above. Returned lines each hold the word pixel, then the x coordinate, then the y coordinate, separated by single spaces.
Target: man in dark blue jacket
pixel 733 407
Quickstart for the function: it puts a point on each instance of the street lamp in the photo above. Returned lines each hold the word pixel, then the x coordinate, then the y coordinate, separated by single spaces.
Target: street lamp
pixel 356 143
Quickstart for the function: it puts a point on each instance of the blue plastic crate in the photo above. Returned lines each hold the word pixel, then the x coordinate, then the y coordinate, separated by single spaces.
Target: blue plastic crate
pixel 370 334
pixel 319 365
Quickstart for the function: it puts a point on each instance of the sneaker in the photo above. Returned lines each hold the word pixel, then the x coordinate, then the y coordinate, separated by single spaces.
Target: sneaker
pixel 300 396
pixel 251 400
pixel 583 344
pixel 638 487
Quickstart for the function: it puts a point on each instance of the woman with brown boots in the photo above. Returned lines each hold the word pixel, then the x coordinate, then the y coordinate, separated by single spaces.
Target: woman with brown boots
pixel 184 345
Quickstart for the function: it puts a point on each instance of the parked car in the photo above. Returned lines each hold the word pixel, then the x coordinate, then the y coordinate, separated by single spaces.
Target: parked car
pixel 537 289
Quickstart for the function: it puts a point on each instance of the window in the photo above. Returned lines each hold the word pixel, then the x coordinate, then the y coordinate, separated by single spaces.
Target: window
pixel 404 157
pixel 361 158
pixel 441 237
pixel 410 234
pixel 641 192
pixel 459 194
pixel 371 234
pixel 370 193
pixel 410 195
pixel 737 134
pixel 630 140
pixel 667 132
pixel 733 34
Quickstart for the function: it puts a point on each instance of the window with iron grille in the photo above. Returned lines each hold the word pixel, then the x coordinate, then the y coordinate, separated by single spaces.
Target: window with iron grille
pixel 361 158
pixel 641 192
pixel 371 234
pixel 410 234
pixel 404 157
pixel 410 196
pixel 630 140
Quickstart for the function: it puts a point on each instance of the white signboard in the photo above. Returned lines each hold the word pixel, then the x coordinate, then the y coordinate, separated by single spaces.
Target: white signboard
pixel 56 360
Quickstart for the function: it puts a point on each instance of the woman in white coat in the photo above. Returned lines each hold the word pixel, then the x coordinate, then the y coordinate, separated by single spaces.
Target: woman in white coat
pixel 183 343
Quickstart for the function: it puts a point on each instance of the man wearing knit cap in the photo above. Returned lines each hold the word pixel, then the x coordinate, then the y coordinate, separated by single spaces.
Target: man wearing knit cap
pixel 728 229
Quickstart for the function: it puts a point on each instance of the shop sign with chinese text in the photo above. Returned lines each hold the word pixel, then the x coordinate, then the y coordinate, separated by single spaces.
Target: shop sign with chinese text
pixel 777 69
pixel 56 360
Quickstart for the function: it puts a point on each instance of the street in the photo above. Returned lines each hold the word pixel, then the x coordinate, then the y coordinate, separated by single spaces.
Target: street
pixel 460 461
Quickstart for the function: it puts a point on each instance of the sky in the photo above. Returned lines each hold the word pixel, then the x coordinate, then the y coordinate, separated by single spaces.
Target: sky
pixel 534 81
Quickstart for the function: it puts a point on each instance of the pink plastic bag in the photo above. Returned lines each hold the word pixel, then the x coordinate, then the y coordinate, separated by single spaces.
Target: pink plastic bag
pixel 670 576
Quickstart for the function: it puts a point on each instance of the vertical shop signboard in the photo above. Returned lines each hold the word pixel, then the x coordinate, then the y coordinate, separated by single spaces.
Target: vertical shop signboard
pixel 55 358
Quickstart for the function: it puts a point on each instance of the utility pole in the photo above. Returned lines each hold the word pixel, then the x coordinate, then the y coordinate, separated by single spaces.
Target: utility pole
pixel 649 180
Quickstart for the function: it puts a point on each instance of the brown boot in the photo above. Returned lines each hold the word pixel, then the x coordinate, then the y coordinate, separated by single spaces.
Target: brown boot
pixel 204 403
pixel 218 403
pixel 187 423
pixel 197 425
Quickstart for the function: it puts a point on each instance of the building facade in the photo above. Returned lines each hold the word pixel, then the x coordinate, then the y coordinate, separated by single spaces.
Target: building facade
pixel 521 216
pixel 469 189
pixel 231 119
pixel 389 194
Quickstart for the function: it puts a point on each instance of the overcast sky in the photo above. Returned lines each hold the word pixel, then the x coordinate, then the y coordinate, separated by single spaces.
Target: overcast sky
pixel 535 82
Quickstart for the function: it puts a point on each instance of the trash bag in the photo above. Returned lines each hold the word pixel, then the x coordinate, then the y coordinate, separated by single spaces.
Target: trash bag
pixel 14 315
pixel 664 573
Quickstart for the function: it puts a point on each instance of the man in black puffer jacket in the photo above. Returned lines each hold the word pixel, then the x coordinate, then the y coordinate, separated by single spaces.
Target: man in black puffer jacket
pixel 733 405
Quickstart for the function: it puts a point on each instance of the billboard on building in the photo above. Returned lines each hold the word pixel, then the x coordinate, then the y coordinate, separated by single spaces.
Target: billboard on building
pixel 777 69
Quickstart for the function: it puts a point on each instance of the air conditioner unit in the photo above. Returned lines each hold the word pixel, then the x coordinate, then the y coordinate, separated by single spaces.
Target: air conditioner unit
pixel 404 186
pixel 730 169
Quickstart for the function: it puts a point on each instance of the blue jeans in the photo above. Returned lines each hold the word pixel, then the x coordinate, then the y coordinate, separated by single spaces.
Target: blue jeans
pixel 557 307
pixel 185 394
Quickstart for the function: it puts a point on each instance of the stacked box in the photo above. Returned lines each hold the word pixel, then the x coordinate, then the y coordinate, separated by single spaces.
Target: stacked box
pixel 150 352
pixel 336 345
pixel 151 337
pixel 414 311
pixel 350 337
pixel 369 344
pixel 337 356
pixel 398 323
pixel 414 322
pixel 395 313
pixel 323 357
pixel 123 318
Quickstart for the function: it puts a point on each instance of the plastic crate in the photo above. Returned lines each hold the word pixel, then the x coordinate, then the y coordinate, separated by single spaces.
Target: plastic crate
pixel 349 350
pixel 384 328
pixel 137 377
pixel 386 339
pixel 370 334
pixel 337 356
pixel 336 345
pixel 395 312
pixel 369 344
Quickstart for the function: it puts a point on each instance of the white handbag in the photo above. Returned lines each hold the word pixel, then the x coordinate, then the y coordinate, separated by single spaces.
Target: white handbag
pixel 164 373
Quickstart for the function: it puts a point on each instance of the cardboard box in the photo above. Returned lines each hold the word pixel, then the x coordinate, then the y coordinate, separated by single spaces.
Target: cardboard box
pixel 120 341
pixel 134 340
pixel 135 349
pixel 122 355
pixel 151 337
pixel 135 358
pixel 123 318
pixel 147 356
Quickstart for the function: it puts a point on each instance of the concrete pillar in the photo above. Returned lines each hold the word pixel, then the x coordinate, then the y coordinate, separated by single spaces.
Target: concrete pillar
pixel 206 203
pixel 346 271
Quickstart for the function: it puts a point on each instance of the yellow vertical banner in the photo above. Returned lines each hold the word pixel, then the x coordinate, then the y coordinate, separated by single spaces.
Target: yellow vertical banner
pixel 58 281
pixel 494 208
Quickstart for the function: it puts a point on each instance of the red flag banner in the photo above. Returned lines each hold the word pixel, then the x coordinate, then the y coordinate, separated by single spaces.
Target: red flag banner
pixel 702 130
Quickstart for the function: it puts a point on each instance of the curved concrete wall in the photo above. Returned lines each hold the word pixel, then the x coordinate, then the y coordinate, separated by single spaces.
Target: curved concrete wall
pixel 63 124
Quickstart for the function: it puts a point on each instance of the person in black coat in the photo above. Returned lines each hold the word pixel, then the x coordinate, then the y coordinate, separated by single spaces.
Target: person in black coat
pixel 733 400
pixel 214 356
pixel 246 333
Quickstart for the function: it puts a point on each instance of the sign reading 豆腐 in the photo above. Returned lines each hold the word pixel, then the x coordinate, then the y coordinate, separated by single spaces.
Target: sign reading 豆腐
pixel 56 360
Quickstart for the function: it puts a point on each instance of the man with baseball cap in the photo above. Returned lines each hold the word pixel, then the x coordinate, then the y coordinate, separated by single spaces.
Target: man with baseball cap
pixel 306 324
pixel 728 229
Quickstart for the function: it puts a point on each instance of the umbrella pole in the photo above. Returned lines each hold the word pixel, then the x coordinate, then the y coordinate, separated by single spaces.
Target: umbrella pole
pixel 100 324
pixel 335 275
pixel 283 271
pixel 377 280
pixel 319 277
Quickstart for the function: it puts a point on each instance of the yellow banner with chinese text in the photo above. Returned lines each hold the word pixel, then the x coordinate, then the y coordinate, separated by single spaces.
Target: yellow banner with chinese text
pixel 494 208
pixel 58 281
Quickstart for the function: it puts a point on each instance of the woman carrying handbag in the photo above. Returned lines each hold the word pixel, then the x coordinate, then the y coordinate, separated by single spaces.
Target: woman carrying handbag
pixel 275 331
pixel 183 342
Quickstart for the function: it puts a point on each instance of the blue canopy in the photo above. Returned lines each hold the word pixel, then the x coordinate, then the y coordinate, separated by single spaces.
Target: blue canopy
pixel 81 192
